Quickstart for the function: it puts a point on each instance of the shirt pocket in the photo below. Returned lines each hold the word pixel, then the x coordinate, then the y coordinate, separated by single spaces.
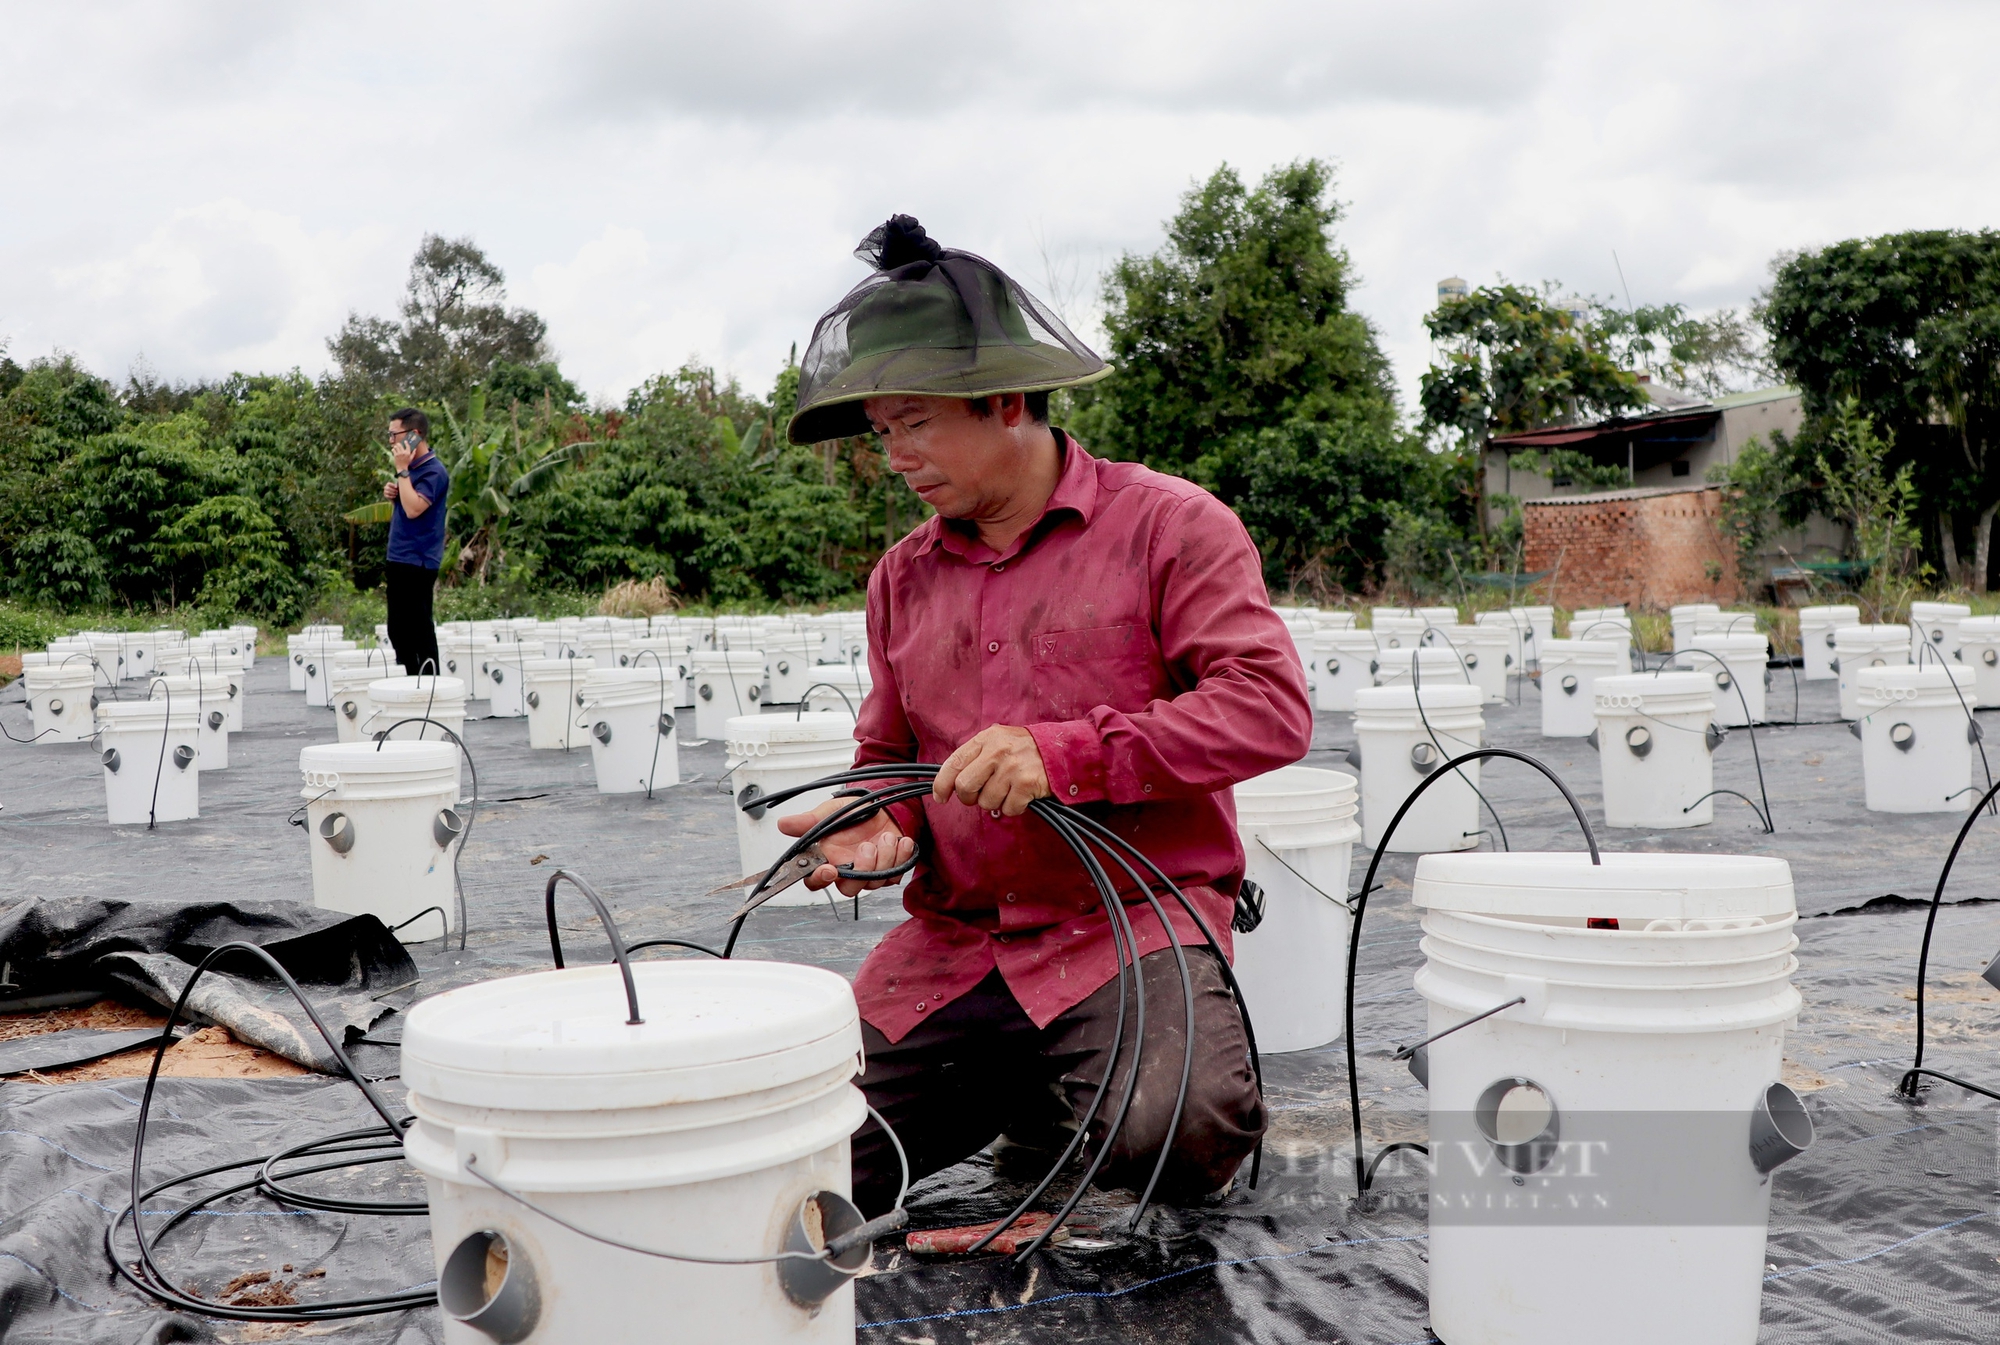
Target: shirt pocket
pixel 1075 671
pixel 1090 645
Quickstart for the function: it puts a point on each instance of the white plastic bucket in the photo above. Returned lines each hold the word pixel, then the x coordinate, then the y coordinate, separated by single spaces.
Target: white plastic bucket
pixel 1433 666
pixel 1520 636
pixel 462 655
pixel 703 1128
pixel 1651 1045
pixel 1570 668
pixel 1397 750
pixel 106 653
pixel 1343 663
pixel 295 662
pixel 347 692
pixel 1858 647
pixel 1681 616
pixel 555 686
pixel 135 654
pixel 506 677
pixel 397 699
pixel 248 636
pixel 1301 630
pixel 1816 628
pixel 62 701
pixel 134 759
pixel 1744 666
pixel 768 753
pixel 1298 831
pixel 1486 653
pixel 1936 624
pixel 209 696
pixel 789 664
pixel 727 683
pixel 1655 750
pixel 627 717
pixel 1397 632
pixel 1333 620
pixel 1979 650
pixel 835 687
pixel 318 660
pixel 383 825
pixel 1916 745
pixel 1541 625
pixel 1600 623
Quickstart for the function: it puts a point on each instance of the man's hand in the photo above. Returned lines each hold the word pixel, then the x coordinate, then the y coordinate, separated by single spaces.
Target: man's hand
pixel 389 491
pixel 402 452
pixel 875 844
pixel 998 768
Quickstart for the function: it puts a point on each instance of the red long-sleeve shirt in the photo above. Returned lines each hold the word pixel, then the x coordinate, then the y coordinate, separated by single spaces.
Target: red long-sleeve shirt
pixel 1129 631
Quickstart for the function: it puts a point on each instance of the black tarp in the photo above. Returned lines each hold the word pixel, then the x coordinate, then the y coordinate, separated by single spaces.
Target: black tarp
pixel 1886 1230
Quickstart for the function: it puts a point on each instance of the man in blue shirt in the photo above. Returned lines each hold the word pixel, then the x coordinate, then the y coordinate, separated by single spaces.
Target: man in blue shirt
pixel 416 539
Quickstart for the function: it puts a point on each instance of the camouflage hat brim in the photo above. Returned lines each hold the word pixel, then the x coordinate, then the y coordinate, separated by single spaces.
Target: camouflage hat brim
pixel 836 412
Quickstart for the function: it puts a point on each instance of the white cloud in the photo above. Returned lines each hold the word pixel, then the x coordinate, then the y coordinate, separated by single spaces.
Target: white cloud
pixel 217 185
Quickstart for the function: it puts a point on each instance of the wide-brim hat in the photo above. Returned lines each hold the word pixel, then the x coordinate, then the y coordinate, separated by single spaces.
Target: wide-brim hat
pixel 933 322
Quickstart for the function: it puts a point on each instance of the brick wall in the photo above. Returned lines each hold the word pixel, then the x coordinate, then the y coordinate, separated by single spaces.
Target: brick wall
pixel 1644 548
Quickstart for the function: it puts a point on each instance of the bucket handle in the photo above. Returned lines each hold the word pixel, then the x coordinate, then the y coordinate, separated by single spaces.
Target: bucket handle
pixel 618 953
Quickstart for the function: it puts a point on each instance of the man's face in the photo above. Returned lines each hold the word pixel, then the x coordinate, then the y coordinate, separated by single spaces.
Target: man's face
pixel 958 463
pixel 396 433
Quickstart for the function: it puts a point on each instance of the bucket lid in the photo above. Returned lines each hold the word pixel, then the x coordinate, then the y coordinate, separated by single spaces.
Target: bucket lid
pixel 559 1040
pixel 417 690
pixel 1663 693
pixel 1608 653
pixel 557 668
pixel 1820 617
pixel 1870 637
pixel 1692 609
pixel 1294 807
pixel 388 770
pixel 1445 696
pixel 1938 611
pixel 781 734
pixel 1727 645
pixel 1634 886
pixel 132 716
pixel 41 676
pixel 1915 685
pixel 611 687
pixel 729 660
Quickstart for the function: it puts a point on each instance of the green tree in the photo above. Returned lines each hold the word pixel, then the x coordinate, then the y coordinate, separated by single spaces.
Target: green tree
pixel 455 328
pixel 1907 327
pixel 1242 366
pixel 1711 356
pixel 1513 360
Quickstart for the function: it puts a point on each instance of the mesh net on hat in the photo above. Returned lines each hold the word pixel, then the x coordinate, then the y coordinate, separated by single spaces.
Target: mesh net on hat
pixel 933 321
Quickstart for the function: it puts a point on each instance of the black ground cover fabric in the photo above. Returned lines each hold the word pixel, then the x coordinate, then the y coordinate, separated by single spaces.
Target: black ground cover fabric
pixel 1886 1230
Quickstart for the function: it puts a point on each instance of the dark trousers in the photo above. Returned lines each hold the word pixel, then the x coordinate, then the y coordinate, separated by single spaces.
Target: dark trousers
pixel 410 626
pixel 980 1066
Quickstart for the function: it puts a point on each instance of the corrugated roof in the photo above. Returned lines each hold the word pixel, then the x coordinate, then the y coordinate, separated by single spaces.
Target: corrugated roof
pixel 1617 426
pixel 1598 497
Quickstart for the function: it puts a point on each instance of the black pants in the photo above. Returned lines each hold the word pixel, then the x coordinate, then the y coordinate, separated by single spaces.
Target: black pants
pixel 980 1066
pixel 410 627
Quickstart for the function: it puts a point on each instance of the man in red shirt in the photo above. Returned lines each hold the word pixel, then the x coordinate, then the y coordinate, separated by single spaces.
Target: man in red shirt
pixel 1064 627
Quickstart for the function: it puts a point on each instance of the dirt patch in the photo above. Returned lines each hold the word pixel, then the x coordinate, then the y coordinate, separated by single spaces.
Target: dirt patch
pixel 1804 1079
pixel 10 667
pixel 212 1053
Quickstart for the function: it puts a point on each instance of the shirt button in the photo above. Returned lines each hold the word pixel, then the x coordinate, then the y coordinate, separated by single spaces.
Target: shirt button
pixel 1072 789
pixel 998 568
pixel 1148 789
pixel 920 1006
pixel 1010 896
pixel 993 647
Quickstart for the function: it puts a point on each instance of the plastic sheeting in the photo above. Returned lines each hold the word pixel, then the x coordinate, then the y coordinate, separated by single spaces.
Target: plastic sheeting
pixel 1887 1229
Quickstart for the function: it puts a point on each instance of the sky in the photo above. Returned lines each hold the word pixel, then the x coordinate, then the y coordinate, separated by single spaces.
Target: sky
pixel 208 188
